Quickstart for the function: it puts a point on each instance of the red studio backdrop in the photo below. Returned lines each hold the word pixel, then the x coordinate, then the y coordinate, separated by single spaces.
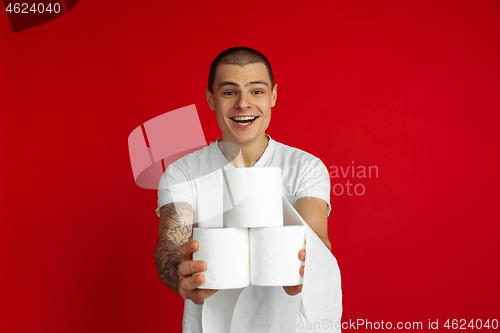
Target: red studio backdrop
pixel 406 89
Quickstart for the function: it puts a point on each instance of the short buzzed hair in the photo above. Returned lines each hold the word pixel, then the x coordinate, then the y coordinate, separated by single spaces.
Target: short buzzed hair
pixel 241 56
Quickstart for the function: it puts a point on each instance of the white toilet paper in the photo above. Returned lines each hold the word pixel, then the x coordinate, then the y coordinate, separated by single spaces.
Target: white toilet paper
pixel 274 255
pixel 252 198
pixel 225 250
pixel 239 257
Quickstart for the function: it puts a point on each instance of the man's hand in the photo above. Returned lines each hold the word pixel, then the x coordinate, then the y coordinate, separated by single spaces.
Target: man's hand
pixel 294 290
pixel 188 283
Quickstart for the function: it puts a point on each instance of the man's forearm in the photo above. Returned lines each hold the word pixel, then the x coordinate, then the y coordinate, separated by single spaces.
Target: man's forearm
pixel 168 258
pixel 175 229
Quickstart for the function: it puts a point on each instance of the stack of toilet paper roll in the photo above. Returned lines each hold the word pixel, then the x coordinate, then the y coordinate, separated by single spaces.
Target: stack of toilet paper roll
pixel 253 247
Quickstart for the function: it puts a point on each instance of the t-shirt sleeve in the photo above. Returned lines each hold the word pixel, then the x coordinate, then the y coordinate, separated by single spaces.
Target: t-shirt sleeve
pixel 174 186
pixel 315 182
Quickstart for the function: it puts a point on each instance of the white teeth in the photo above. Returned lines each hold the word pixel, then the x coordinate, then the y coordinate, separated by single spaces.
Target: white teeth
pixel 243 118
pixel 244 124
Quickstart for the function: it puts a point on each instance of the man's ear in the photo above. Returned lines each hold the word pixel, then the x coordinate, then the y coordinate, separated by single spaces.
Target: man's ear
pixel 210 99
pixel 274 95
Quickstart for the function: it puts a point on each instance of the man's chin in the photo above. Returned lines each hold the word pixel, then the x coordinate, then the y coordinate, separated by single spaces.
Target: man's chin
pixel 244 138
pixel 240 139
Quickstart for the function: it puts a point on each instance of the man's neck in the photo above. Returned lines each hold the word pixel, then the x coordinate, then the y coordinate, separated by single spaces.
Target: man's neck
pixel 244 155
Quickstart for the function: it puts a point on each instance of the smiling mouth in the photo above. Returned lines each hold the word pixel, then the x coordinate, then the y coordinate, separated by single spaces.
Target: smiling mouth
pixel 244 121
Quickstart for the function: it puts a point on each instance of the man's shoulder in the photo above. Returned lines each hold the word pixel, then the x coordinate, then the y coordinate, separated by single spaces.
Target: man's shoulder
pixel 295 154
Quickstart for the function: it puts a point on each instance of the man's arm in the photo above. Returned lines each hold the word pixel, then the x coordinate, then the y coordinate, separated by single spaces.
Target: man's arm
pixel 176 222
pixel 174 253
pixel 314 212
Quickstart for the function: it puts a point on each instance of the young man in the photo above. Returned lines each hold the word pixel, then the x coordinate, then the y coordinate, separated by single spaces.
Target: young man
pixel 241 91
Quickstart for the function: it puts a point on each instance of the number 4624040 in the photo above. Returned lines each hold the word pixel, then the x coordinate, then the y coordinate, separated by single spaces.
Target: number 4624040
pixel 462 324
pixel 24 8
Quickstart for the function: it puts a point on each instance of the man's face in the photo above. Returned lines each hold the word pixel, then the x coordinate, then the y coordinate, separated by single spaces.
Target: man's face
pixel 242 101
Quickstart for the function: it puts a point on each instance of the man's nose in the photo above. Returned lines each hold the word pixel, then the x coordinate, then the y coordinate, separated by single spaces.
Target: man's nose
pixel 244 101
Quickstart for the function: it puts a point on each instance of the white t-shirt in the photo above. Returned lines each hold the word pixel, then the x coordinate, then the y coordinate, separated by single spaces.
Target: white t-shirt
pixel 195 179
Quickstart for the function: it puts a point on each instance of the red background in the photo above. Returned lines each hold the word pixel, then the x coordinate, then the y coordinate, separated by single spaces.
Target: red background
pixel 410 87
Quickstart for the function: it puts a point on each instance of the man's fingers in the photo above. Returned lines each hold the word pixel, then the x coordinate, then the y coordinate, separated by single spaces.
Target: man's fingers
pixel 194 297
pixel 189 247
pixel 301 270
pixel 205 293
pixel 199 296
pixel 302 254
pixel 191 267
pixel 293 290
pixel 191 283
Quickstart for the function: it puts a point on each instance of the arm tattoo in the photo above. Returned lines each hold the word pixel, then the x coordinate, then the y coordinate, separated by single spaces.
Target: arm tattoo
pixel 175 228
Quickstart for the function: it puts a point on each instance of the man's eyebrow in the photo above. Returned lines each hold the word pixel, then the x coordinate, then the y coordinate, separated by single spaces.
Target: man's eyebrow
pixel 230 83
pixel 227 83
pixel 257 82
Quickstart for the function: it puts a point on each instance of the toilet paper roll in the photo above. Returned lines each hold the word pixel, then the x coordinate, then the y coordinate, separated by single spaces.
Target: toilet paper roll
pixel 226 252
pixel 274 255
pixel 252 198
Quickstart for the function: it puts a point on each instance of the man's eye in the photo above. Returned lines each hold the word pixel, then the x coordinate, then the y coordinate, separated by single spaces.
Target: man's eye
pixel 258 92
pixel 228 93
